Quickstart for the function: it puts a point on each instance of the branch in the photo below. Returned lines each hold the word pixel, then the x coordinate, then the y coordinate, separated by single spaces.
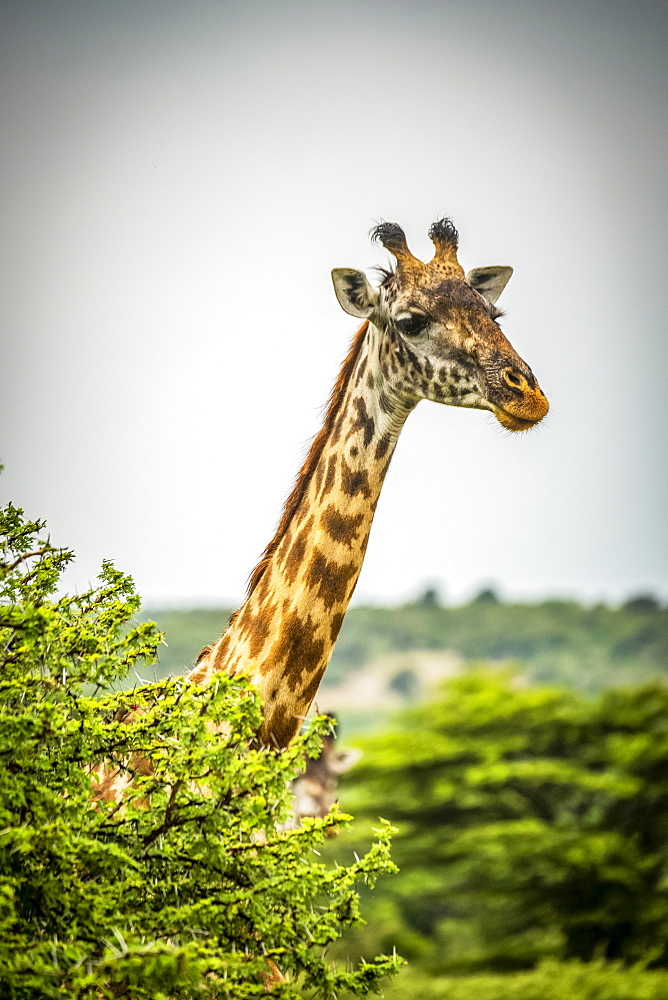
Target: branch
pixel 168 822
pixel 29 555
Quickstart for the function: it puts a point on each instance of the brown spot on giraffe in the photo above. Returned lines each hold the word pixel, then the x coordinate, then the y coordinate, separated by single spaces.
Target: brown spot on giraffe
pixel 329 581
pixel 297 551
pixel 354 481
pixel 282 728
pixel 382 447
pixel 264 588
pixel 364 422
pixel 317 480
pixel 261 629
pixel 218 653
pixel 311 689
pixel 339 526
pixel 282 549
pixel 335 625
pixel 330 475
pixel 295 650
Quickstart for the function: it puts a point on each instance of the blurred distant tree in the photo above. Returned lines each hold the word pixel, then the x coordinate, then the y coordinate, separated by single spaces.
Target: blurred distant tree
pixel 486 596
pixel 430 598
pixel 642 603
pixel 406 683
pixel 188 888
pixel 533 823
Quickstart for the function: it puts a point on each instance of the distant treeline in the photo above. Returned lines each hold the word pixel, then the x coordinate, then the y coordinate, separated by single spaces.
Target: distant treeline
pixel 554 641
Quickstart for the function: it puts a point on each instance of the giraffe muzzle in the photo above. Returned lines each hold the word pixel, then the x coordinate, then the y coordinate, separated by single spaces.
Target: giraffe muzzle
pixel 523 413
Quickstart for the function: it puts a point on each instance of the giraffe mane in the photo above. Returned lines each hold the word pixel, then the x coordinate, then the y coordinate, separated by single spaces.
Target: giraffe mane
pixel 386 274
pixel 306 472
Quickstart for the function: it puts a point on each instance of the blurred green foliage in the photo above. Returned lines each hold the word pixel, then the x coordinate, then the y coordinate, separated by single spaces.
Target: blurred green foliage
pixel 557 642
pixel 550 981
pixel 533 824
pixel 187 888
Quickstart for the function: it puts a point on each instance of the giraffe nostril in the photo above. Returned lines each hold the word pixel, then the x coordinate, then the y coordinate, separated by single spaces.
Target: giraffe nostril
pixel 514 380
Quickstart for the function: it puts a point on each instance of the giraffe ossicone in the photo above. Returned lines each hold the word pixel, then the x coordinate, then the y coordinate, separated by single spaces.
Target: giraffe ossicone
pixel 430 331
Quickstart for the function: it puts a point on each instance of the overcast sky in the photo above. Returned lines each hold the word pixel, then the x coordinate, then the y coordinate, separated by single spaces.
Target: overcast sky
pixel 180 177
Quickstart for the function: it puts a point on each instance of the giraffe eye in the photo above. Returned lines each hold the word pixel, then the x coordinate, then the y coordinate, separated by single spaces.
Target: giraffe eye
pixel 411 323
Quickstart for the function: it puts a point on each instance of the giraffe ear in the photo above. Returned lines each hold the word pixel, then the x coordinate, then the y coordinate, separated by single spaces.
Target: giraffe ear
pixel 489 281
pixel 343 761
pixel 356 295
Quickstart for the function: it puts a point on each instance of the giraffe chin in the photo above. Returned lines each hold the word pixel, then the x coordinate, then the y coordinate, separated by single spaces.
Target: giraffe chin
pixel 514 423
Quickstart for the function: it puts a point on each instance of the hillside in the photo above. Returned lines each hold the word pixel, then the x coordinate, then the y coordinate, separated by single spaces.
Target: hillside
pixel 386 657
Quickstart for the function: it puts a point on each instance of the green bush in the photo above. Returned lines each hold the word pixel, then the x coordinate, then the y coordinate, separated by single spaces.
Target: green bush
pixel 187 889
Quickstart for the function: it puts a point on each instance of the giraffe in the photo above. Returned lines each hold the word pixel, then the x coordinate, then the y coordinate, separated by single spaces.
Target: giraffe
pixel 314 790
pixel 429 331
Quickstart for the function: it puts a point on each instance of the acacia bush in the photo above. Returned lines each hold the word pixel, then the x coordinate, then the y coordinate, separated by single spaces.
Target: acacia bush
pixel 533 824
pixel 188 888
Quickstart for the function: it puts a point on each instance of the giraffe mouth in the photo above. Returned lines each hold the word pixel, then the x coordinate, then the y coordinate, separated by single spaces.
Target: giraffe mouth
pixel 513 422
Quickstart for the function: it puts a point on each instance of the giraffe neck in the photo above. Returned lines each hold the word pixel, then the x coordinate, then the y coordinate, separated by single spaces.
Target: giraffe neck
pixel 284 633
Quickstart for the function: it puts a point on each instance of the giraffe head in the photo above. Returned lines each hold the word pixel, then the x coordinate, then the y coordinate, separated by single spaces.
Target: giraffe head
pixel 442 340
